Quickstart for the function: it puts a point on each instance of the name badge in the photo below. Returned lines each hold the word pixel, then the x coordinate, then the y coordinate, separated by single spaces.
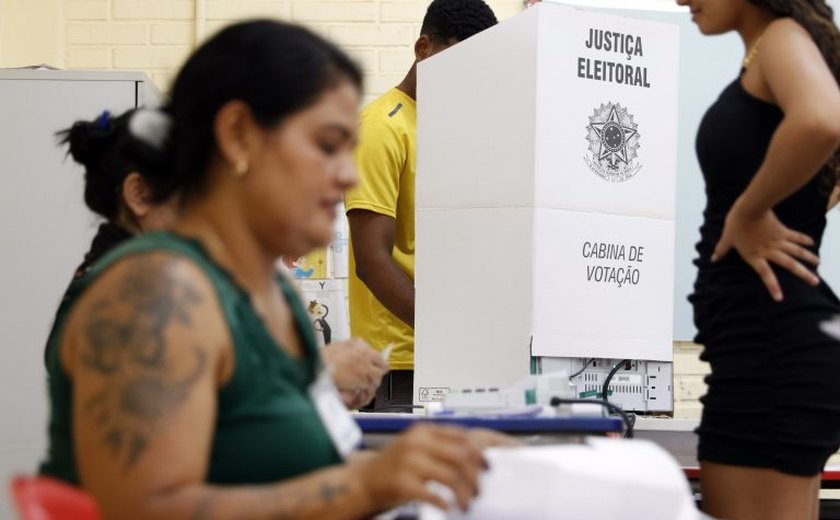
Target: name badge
pixel 342 429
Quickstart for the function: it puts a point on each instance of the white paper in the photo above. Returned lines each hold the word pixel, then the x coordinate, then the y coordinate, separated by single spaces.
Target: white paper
pixel 602 479
pixel 342 429
pixel 326 304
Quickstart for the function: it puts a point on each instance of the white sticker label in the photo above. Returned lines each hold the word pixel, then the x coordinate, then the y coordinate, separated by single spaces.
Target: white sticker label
pixel 432 394
pixel 627 379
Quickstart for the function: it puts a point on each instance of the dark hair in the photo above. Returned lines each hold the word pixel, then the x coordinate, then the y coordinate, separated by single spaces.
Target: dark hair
pixel 276 68
pixel 457 20
pixel 109 151
pixel 817 17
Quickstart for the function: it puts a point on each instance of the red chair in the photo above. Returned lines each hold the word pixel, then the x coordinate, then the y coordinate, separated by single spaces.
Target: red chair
pixel 43 498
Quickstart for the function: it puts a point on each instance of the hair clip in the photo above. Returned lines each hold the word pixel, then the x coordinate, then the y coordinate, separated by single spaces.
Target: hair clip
pixel 102 122
pixel 151 126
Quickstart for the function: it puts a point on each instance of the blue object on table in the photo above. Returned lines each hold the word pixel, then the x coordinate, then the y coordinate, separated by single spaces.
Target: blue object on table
pixel 530 425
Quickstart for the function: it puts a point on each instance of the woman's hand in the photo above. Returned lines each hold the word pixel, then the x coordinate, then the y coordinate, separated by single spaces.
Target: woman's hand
pixel 357 370
pixel 761 238
pixel 424 453
pixel 482 439
pixel 355 399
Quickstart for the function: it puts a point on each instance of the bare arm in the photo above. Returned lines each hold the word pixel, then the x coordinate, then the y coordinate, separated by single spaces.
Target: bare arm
pixel 802 85
pixel 372 235
pixel 147 350
pixel 806 91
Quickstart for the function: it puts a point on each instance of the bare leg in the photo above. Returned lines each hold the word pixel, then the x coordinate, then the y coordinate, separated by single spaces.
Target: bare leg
pixel 742 493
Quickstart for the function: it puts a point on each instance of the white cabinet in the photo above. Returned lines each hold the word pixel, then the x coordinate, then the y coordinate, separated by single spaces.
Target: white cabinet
pixel 45 231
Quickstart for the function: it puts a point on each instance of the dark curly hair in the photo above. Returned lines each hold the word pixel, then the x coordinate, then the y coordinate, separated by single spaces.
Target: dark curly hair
pixel 108 150
pixel 457 20
pixel 817 17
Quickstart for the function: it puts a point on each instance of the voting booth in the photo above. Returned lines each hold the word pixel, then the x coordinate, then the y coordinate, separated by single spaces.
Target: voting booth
pixel 545 197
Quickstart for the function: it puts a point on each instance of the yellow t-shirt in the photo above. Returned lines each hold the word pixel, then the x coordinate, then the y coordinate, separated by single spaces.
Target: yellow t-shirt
pixel 386 158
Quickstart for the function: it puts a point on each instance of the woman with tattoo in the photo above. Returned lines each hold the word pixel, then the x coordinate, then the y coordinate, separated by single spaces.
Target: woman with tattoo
pixel 184 372
pixel 118 153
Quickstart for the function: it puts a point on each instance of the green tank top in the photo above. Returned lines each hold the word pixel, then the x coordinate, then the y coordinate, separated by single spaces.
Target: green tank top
pixel 267 428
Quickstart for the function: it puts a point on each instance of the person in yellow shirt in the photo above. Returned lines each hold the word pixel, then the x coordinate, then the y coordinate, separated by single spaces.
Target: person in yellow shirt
pixel 381 209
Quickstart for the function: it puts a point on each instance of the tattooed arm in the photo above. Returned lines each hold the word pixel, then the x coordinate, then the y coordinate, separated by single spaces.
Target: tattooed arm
pixel 147 350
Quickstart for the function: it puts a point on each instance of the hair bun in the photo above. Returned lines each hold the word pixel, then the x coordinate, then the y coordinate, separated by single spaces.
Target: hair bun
pixel 85 139
pixel 150 126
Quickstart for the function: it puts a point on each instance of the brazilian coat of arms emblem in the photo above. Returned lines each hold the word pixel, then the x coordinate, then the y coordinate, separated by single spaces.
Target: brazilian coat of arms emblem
pixel 613 139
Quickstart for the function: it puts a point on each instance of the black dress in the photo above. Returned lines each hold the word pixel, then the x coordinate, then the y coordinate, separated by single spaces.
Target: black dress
pixel 107 237
pixel 774 390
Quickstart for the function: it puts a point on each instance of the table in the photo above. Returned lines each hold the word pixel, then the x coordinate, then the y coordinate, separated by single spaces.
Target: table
pixel 379 429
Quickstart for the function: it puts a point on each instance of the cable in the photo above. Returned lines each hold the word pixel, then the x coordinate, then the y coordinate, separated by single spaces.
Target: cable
pixel 585 366
pixel 628 419
pixel 616 368
pixel 632 418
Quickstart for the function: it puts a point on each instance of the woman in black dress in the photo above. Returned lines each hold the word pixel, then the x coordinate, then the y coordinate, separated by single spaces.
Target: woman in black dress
pixel 767 149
